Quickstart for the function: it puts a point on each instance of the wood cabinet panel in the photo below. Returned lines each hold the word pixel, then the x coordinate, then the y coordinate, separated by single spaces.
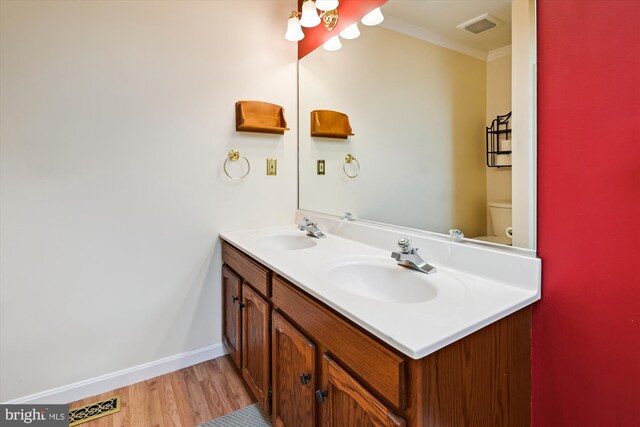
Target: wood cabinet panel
pixel 231 319
pixel 294 375
pixel 250 271
pixel 348 403
pixel 377 366
pixel 255 344
pixel 481 380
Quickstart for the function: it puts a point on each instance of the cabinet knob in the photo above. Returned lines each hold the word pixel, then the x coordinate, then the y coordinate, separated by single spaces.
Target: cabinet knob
pixel 321 395
pixel 304 378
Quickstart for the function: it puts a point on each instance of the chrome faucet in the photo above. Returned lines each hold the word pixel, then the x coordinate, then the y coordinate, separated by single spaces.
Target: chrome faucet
pixel 456 235
pixel 409 257
pixel 311 228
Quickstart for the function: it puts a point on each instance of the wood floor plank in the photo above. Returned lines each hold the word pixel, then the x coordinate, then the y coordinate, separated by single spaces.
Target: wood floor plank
pixel 217 381
pixel 199 404
pixel 170 414
pixel 218 405
pixel 183 404
pixel 122 418
pixel 201 370
pixel 153 402
pixel 183 398
pixel 237 390
pixel 140 409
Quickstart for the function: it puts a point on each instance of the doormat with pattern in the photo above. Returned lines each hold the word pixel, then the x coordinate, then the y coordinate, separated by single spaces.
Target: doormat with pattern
pixel 250 416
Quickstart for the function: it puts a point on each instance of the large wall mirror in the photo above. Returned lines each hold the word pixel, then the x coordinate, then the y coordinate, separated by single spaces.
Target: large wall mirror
pixel 420 92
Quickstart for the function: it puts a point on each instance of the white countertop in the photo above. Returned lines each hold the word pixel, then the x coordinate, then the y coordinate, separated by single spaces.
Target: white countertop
pixel 415 329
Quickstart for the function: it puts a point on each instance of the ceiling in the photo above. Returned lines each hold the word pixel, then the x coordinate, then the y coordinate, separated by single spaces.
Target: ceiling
pixel 440 17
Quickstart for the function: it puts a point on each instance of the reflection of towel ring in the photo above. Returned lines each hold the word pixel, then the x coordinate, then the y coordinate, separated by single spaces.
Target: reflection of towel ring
pixel 349 159
pixel 234 156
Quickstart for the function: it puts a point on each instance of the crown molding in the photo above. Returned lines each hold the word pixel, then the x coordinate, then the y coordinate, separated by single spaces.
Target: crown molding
pixel 428 36
pixel 499 53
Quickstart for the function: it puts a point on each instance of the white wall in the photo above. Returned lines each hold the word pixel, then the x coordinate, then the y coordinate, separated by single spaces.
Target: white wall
pixel 418 114
pixel 115 119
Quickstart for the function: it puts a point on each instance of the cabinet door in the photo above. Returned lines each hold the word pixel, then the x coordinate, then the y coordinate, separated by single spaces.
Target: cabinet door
pixel 294 376
pixel 231 332
pixel 255 344
pixel 345 402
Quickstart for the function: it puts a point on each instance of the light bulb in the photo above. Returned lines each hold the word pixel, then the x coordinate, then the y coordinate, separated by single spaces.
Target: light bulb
pixel 310 16
pixel 373 18
pixel 332 44
pixel 294 32
pixel 326 5
pixel 351 32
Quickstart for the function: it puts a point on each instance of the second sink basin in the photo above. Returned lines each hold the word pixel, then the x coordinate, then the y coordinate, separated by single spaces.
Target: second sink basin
pixel 385 281
pixel 286 242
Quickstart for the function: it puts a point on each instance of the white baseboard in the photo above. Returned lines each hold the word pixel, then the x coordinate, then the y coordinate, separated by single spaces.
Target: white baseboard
pixel 114 380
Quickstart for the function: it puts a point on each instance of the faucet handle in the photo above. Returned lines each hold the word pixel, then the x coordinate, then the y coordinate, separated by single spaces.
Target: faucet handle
pixel 456 235
pixel 404 243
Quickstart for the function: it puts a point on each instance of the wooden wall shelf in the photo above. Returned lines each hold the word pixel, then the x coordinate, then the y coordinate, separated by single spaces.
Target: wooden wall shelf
pixel 330 124
pixel 260 117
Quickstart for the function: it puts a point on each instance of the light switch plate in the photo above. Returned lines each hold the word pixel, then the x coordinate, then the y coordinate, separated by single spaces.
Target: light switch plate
pixel 272 166
pixel 321 167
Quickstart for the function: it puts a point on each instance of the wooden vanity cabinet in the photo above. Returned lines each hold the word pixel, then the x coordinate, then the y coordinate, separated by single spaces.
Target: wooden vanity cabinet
pixel 246 328
pixel 346 402
pixel 231 319
pixel 381 368
pixel 322 370
pixel 294 377
pixel 255 344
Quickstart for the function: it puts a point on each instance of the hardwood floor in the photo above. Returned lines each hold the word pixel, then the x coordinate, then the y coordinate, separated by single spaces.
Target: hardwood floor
pixel 184 398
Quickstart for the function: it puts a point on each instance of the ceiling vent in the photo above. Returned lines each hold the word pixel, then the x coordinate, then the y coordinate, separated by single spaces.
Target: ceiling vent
pixel 480 24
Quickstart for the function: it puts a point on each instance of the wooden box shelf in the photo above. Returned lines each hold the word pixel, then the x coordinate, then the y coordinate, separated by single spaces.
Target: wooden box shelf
pixel 330 124
pixel 260 117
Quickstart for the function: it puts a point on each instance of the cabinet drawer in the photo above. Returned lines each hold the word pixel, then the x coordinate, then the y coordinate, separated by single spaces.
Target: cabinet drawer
pixel 250 271
pixel 377 366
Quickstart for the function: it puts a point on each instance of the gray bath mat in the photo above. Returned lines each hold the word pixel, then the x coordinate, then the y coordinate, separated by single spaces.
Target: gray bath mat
pixel 250 416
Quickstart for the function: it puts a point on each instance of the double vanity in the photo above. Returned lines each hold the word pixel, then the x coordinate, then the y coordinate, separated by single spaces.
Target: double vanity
pixel 332 331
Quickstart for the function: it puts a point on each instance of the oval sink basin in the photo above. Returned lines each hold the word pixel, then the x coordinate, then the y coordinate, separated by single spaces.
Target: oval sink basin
pixel 286 242
pixel 388 282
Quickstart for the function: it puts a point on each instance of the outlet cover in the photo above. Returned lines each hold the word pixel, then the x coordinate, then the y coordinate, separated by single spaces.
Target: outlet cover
pixel 272 166
pixel 321 167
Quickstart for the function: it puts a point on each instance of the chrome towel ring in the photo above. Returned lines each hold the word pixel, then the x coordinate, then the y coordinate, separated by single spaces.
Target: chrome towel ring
pixel 349 159
pixel 234 156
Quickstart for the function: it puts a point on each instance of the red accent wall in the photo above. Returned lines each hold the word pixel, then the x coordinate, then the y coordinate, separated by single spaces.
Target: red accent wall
pixel 349 12
pixel 586 328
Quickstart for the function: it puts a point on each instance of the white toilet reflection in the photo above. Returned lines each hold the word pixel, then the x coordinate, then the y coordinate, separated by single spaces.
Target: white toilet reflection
pixel 500 215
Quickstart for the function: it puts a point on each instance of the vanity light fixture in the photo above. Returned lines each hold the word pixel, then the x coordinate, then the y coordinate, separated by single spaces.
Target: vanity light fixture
pixel 294 30
pixel 373 18
pixel 328 15
pixel 326 5
pixel 332 44
pixel 309 16
pixel 351 32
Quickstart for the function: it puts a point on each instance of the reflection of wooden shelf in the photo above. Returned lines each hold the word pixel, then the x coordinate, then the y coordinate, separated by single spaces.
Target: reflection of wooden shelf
pixel 262 117
pixel 330 124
